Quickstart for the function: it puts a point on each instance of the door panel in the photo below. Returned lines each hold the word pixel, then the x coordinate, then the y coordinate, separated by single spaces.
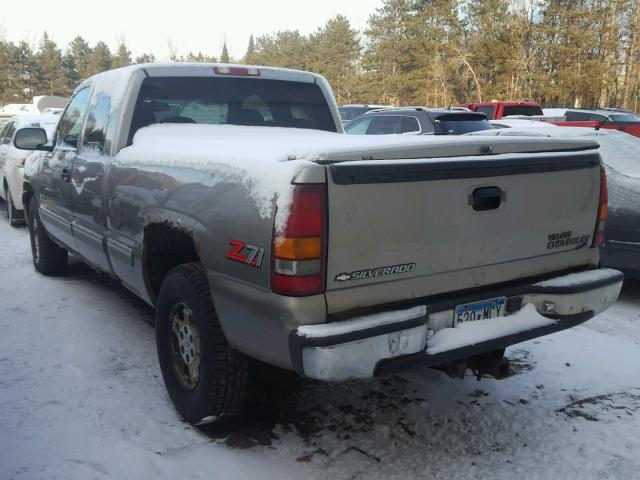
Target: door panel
pixel 87 185
pixel 55 197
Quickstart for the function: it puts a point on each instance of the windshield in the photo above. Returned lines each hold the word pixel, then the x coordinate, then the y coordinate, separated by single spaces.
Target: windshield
pixel 235 101
pixel 459 124
pixel 521 110
pixel 623 118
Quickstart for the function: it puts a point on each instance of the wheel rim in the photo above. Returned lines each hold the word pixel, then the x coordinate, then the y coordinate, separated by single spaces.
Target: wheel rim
pixel 185 342
pixel 35 243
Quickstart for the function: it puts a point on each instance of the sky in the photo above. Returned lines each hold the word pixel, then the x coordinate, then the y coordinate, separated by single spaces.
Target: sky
pixel 189 25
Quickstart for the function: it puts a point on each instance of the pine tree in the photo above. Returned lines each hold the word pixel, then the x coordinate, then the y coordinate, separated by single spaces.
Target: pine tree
pixel 334 53
pixel 389 57
pixel 250 56
pixel 122 57
pixel 49 74
pixel 100 59
pixel 224 57
pixel 146 58
pixel 287 49
pixel 76 61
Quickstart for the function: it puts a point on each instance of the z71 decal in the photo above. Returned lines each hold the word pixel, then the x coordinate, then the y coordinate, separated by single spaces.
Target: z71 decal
pixel 244 253
pixel 375 272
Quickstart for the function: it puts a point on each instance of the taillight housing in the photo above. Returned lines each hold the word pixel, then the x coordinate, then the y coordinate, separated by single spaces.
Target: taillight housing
pixel 603 211
pixel 298 250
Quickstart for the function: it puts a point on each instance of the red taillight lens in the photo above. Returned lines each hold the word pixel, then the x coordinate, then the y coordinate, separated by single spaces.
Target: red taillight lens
pixel 603 211
pixel 298 253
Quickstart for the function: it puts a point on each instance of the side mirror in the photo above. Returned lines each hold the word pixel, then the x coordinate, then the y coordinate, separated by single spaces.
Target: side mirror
pixel 31 139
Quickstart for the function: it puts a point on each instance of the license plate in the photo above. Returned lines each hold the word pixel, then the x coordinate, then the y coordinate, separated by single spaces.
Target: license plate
pixel 482 310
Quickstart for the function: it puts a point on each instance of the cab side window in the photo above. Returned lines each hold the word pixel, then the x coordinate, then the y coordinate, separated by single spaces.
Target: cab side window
pixel 95 128
pixel 70 125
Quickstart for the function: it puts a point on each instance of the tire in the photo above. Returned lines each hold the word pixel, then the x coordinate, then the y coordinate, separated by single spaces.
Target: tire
pixel 205 377
pixel 14 216
pixel 48 257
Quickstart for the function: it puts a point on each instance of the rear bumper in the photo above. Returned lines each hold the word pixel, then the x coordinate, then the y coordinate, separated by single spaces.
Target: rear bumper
pixel 423 335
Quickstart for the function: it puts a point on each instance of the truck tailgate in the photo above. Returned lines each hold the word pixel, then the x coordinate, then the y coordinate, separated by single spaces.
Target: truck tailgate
pixel 404 229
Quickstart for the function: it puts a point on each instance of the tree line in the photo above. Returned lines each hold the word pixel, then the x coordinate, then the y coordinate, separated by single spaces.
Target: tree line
pixel 576 53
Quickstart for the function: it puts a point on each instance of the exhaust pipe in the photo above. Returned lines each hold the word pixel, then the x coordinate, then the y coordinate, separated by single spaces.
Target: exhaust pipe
pixel 494 364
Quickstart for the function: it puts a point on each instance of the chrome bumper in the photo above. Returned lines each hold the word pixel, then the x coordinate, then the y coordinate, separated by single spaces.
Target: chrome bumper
pixel 391 341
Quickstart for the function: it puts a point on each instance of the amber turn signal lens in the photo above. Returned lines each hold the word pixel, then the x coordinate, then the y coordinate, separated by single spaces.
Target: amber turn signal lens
pixel 302 248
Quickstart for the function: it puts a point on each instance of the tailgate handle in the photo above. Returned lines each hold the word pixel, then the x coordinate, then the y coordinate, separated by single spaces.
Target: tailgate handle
pixel 487 198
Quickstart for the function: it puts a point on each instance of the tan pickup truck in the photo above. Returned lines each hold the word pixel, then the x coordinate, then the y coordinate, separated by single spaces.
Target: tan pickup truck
pixel 229 198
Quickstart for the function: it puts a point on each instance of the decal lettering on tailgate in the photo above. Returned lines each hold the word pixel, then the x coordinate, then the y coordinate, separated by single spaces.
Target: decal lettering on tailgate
pixel 566 239
pixel 244 253
pixel 375 272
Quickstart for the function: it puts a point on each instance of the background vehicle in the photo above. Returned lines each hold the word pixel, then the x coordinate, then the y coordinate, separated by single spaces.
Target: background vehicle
pixel 349 112
pixel 418 121
pixel 621 156
pixel 497 110
pixel 227 197
pixel 12 161
pixel 602 118
pixel 38 106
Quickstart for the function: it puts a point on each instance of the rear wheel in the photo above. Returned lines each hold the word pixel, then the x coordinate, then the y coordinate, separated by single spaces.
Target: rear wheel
pixel 205 377
pixel 48 257
pixel 14 215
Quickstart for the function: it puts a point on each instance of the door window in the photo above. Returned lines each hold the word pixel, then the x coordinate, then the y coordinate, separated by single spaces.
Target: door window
pixel 410 125
pixel 385 125
pixel 358 127
pixel 95 128
pixel 70 125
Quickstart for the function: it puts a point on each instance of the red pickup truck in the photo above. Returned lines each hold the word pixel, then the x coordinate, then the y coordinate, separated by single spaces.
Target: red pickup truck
pixel 497 110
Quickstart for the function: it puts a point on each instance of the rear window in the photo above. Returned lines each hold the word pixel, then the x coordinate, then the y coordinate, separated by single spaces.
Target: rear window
pixel 521 110
pixel 486 109
pixel 235 101
pixel 459 124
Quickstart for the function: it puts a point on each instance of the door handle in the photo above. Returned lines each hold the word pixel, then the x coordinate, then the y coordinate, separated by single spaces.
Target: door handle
pixel 66 174
pixel 487 198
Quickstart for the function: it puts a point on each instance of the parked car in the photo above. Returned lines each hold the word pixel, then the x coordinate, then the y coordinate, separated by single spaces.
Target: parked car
pixel 12 161
pixel 349 112
pixel 228 198
pixel 417 121
pixel 498 110
pixel 602 118
pixel 620 153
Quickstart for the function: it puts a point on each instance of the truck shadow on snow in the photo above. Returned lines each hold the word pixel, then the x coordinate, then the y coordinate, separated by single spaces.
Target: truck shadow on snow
pixel 368 421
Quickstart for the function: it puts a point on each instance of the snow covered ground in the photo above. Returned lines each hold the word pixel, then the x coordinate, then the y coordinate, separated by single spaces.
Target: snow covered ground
pixel 81 397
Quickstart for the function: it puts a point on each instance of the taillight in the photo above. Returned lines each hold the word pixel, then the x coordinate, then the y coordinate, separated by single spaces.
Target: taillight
pixel 603 211
pixel 238 71
pixel 298 252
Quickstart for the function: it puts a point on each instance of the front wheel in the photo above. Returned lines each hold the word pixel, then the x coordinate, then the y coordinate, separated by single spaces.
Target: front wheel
pixel 205 377
pixel 48 257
